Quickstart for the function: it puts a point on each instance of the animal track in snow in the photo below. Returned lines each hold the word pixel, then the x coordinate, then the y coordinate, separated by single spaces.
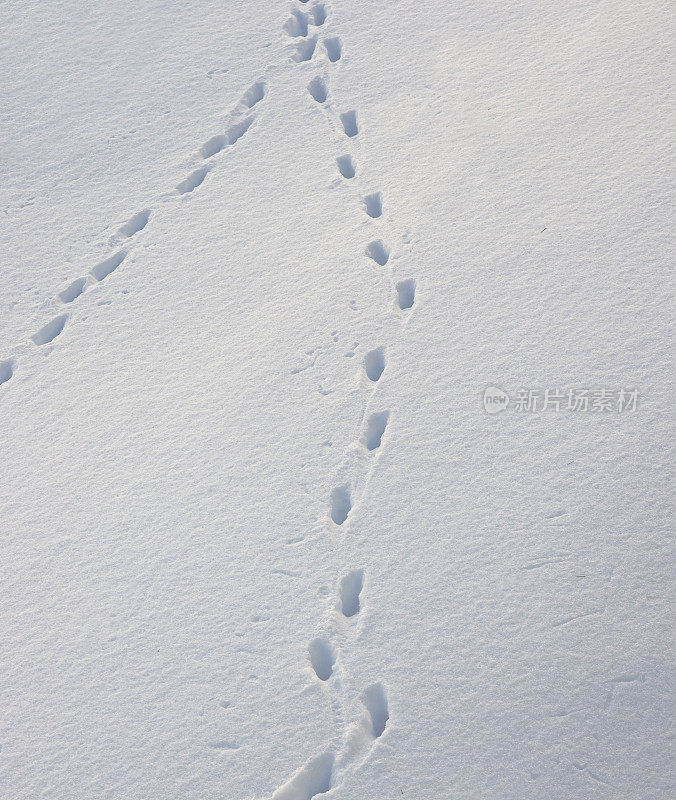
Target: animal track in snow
pixel 73 290
pixel 379 252
pixel 346 166
pixel 51 330
pixel 374 363
pixel 214 145
pixel 405 293
pixel 135 224
pixel 297 24
pixel 350 589
pixel 373 203
pixel 341 504
pixel 254 94
pixel 375 701
pixel 102 270
pixel 318 14
pixel 375 428
pixel 348 120
pixel 317 89
pixel 305 49
pixel 6 370
pixel 322 658
pixel 236 131
pixel 311 780
pixel 193 180
pixel 334 48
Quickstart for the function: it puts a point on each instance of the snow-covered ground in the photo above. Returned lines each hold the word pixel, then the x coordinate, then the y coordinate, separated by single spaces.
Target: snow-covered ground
pixel 260 536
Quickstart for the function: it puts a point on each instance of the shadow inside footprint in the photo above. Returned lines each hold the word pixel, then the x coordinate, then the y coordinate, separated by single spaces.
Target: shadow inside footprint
pixel 334 48
pixel 350 589
pixel 340 504
pixel 73 290
pixel 405 293
pixel 317 89
pixel 373 203
pixel 305 49
pixel 50 331
pixel 349 122
pixel 6 370
pixel 374 363
pixel 346 166
pixel 375 428
pixel 379 252
pixel 322 658
pixel 375 701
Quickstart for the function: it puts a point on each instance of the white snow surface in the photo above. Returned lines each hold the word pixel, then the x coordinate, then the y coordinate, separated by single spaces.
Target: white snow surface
pixel 259 537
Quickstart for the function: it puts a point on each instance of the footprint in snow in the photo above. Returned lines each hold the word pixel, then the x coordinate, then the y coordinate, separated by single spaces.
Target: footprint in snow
pixel 51 330
pixel 341 504
pixel 373 205
pixel 234 133
pixel 297 24
pixel 102 270
pixel 334 48
pixel 348 120
pixel 253 95
pixel 405 293
pixel 317 89
pixel 73 290
pixel 322 658
pixel 135 224
pixel 305 49
pixel 350 589
pixel 374 363
pixel 379 252
pixel 346 166
pixel 193 180
pixel 7 370
pixel 375 428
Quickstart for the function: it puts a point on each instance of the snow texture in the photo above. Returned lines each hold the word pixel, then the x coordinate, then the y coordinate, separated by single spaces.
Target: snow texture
pixel 261 540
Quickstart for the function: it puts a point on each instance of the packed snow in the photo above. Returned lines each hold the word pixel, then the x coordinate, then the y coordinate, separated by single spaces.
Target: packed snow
pixel 334 366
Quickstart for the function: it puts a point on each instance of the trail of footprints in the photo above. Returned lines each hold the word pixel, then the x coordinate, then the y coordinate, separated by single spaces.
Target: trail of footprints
pixel 354 741
pixel 240 119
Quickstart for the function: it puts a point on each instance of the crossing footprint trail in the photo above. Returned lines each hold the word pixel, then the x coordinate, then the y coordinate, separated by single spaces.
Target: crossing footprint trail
pixel 352 742
pixel 121 243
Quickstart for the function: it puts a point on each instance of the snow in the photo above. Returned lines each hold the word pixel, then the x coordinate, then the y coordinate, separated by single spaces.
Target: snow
pixel 260 538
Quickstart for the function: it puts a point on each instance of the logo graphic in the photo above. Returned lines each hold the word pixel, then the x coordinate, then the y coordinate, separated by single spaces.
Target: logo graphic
pixel 495 400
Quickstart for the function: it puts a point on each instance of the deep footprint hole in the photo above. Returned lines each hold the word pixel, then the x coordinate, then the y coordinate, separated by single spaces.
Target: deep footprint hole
pixel 349 122
pixel 374 204
pixel 346 166
pixel 317 89
pixel 334 48
pixel 374 363
pixel 322 658
pixel 305 50
pixel 340 504
pixel 350 589
pixel 102 270
pixel 379 252
pixel 73 290
pixel 50 331
pixel 405 293
pixel 6 370
pixel 375 428
pixel 375 700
